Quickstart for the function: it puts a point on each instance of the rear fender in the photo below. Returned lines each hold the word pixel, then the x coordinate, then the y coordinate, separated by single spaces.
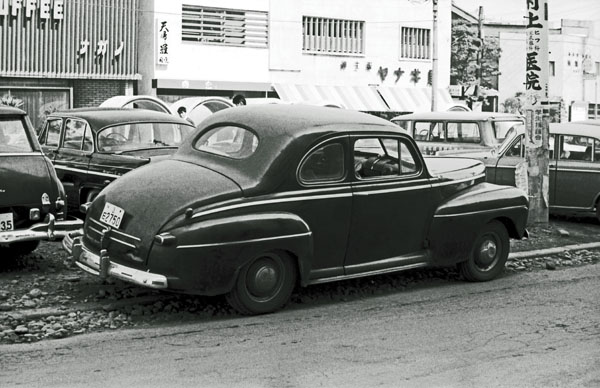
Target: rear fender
pixel 224 245
pixel 456 222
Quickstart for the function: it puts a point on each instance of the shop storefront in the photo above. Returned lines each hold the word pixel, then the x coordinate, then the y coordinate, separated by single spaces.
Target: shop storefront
pixel 60 54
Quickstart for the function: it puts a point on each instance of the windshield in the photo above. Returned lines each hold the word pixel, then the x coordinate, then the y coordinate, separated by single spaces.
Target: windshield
pixel 13 136
pixel 501 128
pixel 135 136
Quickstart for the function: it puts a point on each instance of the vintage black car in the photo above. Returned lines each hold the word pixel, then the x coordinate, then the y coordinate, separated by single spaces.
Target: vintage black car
pixel 261 198
pixel 32 199
pixel 91 147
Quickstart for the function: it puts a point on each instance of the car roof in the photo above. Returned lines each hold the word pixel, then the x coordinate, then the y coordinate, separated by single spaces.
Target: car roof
pixel 455 115
pixel 297 120
pixel 99 118
pixel 590 128
pixel 10 110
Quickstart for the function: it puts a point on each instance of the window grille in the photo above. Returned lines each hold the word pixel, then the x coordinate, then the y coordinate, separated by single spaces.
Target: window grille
pixel 324 35
pixel 415 43
pixel 227 27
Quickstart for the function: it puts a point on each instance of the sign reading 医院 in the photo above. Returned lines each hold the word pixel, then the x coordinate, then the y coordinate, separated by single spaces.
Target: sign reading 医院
pixel 47 9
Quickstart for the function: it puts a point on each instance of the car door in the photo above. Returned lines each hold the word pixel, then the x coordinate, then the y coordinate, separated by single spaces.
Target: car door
pixel 504 170
pixel 577 180
pixel 72 157
pixel 325 204
pixel 392 205
pixel 49 137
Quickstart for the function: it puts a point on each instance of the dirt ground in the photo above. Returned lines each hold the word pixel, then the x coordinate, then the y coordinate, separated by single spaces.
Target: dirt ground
pixel 44 295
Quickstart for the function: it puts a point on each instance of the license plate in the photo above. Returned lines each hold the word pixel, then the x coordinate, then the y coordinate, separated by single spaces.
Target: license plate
pixel 6 222
pixel 112 215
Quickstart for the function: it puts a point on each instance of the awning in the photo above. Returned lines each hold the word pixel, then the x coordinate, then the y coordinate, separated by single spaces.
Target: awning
pixel 415 99
pixel 363 98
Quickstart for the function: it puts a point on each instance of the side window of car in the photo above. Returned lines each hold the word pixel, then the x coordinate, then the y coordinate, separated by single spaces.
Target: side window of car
pixel 51 135
pixel 516 148
pixel 324 164
pixel 428 131
pixel 74 132
pixel 88 139
pixel 576 148
pixel 375 157
pixel 596 151
pixel 463 132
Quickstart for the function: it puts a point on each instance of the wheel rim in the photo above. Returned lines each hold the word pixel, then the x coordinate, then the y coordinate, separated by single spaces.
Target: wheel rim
pixel 488 253
pixel 264 278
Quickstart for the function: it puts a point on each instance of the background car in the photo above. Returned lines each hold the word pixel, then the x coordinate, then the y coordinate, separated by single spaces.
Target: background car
pixel 456 132
pixel 91 147
pixel 263 197
pixel 574 168
pixel 32 199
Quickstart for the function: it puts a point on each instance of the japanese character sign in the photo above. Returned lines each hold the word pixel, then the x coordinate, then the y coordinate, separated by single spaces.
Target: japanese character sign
pixel 536 71
pixel 162 42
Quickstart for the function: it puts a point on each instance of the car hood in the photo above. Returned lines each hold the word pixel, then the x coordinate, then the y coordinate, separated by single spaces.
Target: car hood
pixel 24 179
pixel 154 194
pixel 454 168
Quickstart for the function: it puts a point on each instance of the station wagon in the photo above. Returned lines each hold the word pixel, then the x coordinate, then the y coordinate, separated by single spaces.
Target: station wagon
pixel 456 132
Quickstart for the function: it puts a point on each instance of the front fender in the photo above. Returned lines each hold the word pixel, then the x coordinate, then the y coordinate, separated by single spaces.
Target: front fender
pixel 456 222
pixel 221 246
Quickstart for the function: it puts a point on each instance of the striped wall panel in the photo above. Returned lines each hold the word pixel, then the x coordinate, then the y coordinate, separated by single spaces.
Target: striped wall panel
pixel 31 46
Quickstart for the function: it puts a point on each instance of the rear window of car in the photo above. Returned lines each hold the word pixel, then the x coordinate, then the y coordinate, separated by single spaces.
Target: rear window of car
pixel 135 136
pixel 229 141
pixel 13 136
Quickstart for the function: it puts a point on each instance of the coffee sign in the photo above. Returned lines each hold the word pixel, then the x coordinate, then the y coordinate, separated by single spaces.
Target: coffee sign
pixel 47 9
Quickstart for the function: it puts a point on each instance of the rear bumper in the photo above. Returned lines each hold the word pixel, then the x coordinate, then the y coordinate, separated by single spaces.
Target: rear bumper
pixel 100 265
pixel 48 230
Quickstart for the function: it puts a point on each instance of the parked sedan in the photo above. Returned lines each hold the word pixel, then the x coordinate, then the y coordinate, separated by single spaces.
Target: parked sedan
pixel 91 147
pixel 574 168
pixel 263 197
pixel 32 199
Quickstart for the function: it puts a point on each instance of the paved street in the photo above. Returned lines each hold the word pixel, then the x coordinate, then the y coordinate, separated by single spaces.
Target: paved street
pixel 527 329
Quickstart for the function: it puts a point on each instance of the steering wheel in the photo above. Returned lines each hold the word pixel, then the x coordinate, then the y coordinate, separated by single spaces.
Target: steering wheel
pixel 118 136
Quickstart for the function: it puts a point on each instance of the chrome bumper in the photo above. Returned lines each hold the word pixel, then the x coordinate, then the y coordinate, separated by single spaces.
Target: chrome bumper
pixel 100 265
pixel 48 230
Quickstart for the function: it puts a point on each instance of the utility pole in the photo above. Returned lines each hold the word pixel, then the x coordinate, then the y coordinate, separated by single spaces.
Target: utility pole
pixel 536 113
pixel 434 57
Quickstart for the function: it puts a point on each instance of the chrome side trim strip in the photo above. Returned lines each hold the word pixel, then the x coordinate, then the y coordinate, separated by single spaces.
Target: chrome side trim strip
pixel 244 241
pixel 370 273
pixel 389 261
pixel 479 211
pixel 458 181
pixel 21 154
pixel 59 167
pixel 270 201
pixel 576 170
pixel 398 189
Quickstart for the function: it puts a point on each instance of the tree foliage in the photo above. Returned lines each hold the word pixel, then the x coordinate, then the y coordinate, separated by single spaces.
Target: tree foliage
pixel 466 46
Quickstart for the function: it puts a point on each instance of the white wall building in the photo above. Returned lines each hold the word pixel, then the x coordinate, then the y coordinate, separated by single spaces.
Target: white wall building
pixel 341 51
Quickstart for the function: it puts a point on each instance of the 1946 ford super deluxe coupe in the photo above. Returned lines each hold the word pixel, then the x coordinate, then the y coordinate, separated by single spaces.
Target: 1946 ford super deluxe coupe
pixel 262 198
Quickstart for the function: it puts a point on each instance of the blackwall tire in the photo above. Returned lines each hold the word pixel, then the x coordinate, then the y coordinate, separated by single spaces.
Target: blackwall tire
pixel 264 285
pixel 488 254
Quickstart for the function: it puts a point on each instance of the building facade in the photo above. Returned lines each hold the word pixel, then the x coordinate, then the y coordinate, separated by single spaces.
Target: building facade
pixel 59 54
pixel 370 56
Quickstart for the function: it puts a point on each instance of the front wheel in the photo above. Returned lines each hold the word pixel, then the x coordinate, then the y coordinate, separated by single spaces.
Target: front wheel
pixel 488 255
pixel 264 285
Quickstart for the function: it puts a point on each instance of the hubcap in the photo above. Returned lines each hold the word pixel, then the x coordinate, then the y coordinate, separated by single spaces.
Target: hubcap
pixel 488 254
pixel 263 279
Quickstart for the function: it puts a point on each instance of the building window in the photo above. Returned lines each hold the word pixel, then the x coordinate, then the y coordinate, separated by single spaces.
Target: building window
pixel 227 27
pixel 552 68
pixel 415 43
pixel 323 35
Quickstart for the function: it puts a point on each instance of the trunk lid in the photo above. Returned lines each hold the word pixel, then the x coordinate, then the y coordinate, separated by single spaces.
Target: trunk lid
pixel 150 196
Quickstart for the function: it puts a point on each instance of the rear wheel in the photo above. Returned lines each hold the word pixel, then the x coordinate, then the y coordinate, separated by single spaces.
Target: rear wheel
pixel 488 255
pixel 264 285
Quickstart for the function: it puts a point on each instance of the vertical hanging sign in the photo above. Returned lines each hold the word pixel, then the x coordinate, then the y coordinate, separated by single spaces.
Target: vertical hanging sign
pixel 162 40
pixel 536 114
pixel 536 72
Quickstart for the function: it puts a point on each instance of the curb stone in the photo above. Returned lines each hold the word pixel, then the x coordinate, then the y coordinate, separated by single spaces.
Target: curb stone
pixel 149 299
